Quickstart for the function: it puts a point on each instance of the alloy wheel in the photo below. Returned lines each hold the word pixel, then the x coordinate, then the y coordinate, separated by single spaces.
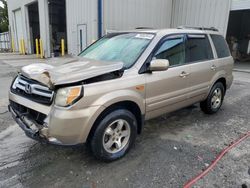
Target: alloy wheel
pixel 116 136
pixel 217 98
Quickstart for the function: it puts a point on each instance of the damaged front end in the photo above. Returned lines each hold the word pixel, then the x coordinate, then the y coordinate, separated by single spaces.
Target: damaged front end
pixel 70 73
pixel 34 93
pixel 32 122
pixel 29 117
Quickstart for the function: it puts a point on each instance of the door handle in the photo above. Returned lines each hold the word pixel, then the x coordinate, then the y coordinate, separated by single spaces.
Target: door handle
pixel 184 74
pixel 213 67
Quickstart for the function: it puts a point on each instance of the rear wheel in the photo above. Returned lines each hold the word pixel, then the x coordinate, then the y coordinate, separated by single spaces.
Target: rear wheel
pixel 114 135
pixel 214 100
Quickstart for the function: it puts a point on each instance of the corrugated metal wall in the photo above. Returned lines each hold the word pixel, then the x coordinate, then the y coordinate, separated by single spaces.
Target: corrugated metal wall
pixel 14 6
pixel 240 4
pixel 130 14
pixel 80 12
pixel 19 23
pixel 206 13
pixel 4 41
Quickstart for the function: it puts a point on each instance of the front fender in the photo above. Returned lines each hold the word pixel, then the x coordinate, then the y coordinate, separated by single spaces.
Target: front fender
pixel 109 99
pixel 121 96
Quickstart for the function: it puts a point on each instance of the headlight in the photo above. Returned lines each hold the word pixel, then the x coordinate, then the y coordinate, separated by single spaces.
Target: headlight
pixel 68 96
pixel 15 81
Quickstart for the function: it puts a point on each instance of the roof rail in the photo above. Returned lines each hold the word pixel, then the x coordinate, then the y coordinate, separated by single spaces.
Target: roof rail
pixel 198 28
pixel 144 28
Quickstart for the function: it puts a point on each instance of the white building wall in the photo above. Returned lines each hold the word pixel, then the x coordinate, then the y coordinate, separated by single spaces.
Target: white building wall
pixel 203 13
pixel 18 33
pixel 240 4
pixel 130 14
pixel 18 27
pixel 44 26
pixel 24 33
pixel 80 12
pixel 125 15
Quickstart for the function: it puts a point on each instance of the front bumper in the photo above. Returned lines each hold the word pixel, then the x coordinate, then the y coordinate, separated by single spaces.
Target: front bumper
pixel 32 133
pixel 61 126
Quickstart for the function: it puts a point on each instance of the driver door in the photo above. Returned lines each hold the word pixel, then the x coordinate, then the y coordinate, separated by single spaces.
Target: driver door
pixel 167 90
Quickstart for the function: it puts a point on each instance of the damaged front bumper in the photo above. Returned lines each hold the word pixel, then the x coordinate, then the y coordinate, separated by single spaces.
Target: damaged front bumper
pixel 51 124
pixel 31 128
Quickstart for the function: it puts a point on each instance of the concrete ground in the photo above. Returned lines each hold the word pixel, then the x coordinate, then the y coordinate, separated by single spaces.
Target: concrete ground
pixel 242 66
pixel 172 148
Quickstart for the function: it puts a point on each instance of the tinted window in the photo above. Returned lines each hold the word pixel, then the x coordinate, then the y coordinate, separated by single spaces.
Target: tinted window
pixel 198 48
pixel 220 46
pixel 173 49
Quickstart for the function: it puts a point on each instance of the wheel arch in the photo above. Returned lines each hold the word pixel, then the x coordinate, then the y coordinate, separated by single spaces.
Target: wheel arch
pixel 223 81
pixel 215 80
pixel 128 105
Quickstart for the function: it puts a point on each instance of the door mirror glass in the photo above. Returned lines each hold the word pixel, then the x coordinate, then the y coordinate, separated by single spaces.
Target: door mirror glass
pixel 159 65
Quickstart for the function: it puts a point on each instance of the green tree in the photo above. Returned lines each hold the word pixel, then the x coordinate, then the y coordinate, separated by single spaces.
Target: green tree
pixel 4 21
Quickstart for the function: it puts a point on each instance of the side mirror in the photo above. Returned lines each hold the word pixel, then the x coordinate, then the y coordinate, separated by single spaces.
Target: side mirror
pixel 159 65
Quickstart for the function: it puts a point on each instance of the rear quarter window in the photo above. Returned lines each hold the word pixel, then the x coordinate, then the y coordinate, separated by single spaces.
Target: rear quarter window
pixel 221 46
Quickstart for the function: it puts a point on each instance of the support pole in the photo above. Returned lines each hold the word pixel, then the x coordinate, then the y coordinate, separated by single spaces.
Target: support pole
pixel 99 16
pixel 24 50
pixel 62 47
pixel 20 47
pixel 13 45
pixel 41 49
pixel 37 48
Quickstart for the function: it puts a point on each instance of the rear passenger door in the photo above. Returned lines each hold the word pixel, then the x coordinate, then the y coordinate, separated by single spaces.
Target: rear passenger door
pixel 200 58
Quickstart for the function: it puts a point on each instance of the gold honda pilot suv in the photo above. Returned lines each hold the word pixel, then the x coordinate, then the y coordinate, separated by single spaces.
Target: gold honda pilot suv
pixel 103 97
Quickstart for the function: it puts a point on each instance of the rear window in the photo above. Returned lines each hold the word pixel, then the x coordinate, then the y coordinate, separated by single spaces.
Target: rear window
pixel 220 46
pixel 198 48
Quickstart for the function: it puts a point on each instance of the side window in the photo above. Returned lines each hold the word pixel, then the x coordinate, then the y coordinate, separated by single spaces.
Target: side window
pixel 198 48
pixel 172 49
pixel 220 46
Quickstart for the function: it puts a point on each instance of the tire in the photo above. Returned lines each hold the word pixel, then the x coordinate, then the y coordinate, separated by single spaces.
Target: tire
pixel 109 141
pixel 214 100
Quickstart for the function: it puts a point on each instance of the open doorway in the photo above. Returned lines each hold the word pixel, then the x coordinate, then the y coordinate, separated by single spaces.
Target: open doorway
pixel 238 35
pixel 57 20
pixel 34 25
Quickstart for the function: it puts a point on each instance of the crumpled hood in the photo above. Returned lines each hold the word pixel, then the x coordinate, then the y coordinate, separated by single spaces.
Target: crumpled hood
pixel 70 72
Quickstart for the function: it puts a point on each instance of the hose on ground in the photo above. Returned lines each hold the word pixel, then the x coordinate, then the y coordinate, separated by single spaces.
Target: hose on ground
pixel 217 159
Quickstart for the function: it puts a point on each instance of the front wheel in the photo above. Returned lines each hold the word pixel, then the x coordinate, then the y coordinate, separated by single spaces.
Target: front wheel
pixel 114 135
pixel 214 100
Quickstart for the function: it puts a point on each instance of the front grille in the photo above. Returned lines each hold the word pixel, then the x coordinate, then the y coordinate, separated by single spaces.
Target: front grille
pixel 32 90
pixel 32 114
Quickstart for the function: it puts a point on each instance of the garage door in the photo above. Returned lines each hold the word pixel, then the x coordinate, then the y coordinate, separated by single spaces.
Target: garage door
pixel 18 27
pixel 202 13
